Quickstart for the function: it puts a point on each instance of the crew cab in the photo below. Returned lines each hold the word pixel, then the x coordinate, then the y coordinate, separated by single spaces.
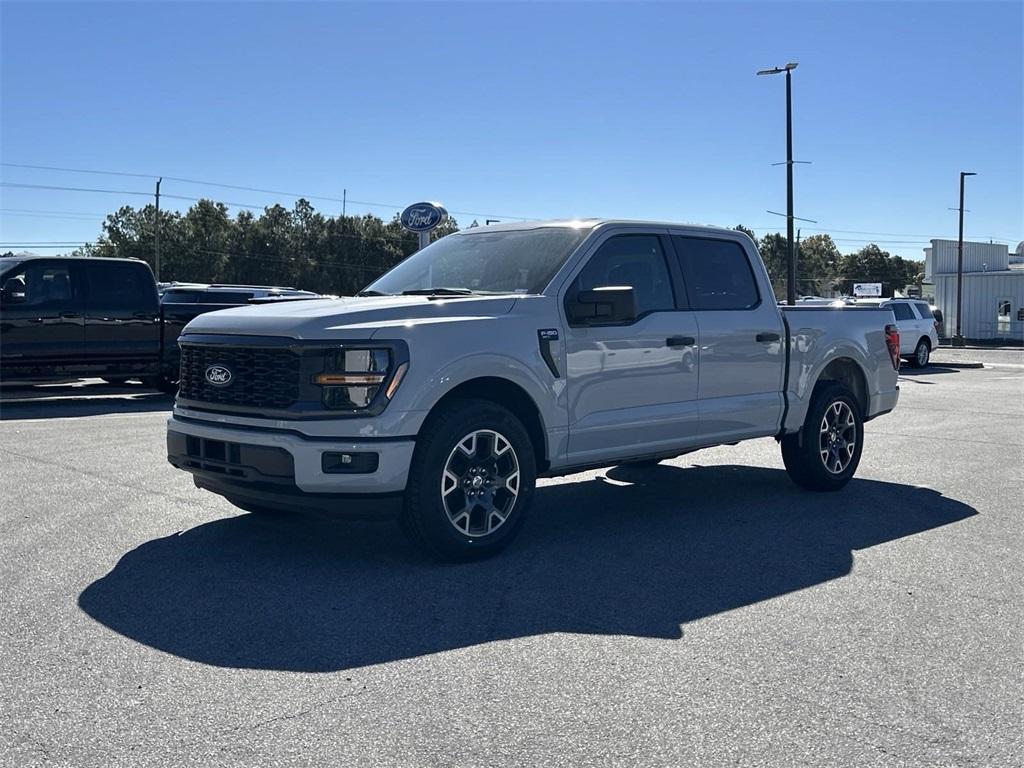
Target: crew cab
pixel 68 317
pixel 501 354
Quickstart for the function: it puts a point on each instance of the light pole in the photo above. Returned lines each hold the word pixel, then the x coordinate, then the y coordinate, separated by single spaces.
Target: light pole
pixel 958 339
pixel 790 263
pixel 156 233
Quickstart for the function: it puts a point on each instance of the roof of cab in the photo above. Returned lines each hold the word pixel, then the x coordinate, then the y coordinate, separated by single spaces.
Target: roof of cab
pixel 594 224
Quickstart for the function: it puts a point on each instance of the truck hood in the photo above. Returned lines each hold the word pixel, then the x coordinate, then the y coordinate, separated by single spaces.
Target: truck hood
pixel 348 318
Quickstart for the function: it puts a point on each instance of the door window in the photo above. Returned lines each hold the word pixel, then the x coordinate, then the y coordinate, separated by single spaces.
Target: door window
pixel 717 272
pixel 636 261
pixel 902 311
pixel 43 285
pixel 924 311
pixel 119 286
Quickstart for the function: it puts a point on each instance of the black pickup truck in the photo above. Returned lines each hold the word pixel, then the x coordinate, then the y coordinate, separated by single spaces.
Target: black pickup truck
pixel 70 317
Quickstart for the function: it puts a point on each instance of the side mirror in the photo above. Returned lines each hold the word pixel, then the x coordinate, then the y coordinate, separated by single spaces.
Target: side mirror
pixel 14 291
pixel 607 304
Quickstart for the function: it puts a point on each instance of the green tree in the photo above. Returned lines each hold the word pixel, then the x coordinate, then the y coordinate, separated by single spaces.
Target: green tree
pixel 873 265
pixel 817 265
pixel 774 253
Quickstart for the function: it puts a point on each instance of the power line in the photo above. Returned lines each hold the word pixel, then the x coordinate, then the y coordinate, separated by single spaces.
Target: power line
pixel 48 210
pixel 5 214
pixel 73 189
pixel 882 234
pixel 77 170
pixel 182 180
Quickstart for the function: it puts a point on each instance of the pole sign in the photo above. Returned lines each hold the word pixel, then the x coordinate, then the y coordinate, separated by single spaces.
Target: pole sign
pixel 865 290
pixel 423 218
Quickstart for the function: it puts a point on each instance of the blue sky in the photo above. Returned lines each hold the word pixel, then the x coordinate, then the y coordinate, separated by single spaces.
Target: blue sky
pixel 531 110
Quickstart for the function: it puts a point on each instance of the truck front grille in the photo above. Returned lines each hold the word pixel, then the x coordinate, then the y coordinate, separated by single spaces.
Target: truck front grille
pixel 260 377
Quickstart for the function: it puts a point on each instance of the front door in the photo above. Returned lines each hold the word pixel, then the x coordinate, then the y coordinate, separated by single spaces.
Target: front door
pixel 741 338
pixel 632 387
pixel 41 317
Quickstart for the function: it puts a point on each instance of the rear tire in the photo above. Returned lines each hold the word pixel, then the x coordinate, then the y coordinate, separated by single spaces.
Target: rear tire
pixel 824 455
pixel 922 354
pixel 163 384
pixel 471 482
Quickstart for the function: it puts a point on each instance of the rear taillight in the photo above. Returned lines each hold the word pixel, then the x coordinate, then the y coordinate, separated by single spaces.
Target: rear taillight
pixel 892 341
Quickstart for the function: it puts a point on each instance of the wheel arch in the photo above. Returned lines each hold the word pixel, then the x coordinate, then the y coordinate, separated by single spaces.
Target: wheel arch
pixel 847 371
pixel 509 395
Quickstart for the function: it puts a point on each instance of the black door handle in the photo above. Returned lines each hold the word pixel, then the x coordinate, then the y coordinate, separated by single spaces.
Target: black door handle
pixel 680 341
pixel 69 315
pixel 768 337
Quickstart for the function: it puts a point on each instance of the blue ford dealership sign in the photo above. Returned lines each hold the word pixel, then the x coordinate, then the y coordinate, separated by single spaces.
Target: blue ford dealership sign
pixel 423 217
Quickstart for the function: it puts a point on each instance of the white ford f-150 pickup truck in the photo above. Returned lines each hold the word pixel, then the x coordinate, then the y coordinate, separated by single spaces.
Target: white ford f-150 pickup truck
pixel 500 354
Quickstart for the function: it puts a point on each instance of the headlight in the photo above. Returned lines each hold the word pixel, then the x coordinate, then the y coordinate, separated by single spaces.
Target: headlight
pixel 352 377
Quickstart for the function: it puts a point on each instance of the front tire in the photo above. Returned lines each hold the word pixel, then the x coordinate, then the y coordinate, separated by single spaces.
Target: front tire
pixel 471 481
pixel 824 455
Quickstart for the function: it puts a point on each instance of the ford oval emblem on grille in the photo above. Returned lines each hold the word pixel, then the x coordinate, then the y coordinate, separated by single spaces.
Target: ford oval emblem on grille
pixel 219 376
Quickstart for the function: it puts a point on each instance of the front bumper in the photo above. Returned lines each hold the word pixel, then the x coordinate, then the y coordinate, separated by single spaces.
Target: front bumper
pixel 281 462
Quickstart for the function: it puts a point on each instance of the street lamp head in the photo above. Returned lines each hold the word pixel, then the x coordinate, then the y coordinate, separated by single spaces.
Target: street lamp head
pixel 779 70
pixel 968 173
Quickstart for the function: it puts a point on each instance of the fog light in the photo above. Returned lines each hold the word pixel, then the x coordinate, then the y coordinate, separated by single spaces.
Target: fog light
pixel 336 463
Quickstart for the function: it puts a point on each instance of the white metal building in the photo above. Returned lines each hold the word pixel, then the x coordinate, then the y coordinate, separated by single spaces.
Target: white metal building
pixel 993 288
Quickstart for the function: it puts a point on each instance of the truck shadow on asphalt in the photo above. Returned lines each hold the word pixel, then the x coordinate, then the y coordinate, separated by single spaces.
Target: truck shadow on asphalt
pixel 641 552
pixel 75 399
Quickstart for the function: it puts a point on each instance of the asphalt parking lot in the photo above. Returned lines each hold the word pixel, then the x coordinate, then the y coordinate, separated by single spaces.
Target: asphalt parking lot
pixel 702 612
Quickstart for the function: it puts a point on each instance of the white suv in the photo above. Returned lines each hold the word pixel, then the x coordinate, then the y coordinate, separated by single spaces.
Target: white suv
pixel 918 329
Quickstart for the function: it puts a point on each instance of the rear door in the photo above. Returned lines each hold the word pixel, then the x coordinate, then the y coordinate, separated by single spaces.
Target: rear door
pixel 741 337
pixel 41 322
pixel 122 315
pixel 632 387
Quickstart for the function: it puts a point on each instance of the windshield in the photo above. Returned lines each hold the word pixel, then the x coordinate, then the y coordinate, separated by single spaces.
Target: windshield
pixel 510 261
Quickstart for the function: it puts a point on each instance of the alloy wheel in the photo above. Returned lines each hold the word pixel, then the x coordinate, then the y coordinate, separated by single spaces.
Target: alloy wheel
pixel 922 355
pixel 480 482
pixel 837 437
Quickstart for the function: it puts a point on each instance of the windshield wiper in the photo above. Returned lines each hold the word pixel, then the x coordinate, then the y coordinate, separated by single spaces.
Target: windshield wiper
pixel 438 292
pixel 372 292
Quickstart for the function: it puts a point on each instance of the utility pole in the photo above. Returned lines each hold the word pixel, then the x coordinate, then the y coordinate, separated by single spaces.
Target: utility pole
pixel 344 201
pixel 796 253
pixel 156 233
pixel 958 339
pixel 790 260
